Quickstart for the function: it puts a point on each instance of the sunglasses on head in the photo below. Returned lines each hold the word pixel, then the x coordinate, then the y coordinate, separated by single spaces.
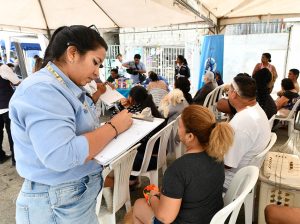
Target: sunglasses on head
pixel 93 27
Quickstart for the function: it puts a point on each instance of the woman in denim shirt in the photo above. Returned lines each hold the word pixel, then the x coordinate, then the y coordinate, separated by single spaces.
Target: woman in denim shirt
pixel 56 133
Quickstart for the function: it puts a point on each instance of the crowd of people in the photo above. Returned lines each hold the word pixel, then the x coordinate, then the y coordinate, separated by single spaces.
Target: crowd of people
pixel 54 133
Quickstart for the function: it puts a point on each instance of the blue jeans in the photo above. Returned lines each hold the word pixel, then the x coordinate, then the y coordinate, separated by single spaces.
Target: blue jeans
pixel 72 202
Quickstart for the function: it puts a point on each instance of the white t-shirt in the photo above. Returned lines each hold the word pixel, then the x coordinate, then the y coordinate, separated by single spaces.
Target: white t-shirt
pixel 252 134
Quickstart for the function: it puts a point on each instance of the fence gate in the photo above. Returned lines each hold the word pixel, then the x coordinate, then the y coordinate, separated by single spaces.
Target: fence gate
pixel 162 60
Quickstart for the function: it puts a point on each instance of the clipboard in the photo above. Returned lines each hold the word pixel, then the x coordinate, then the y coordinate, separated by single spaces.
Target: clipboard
pixel 126 140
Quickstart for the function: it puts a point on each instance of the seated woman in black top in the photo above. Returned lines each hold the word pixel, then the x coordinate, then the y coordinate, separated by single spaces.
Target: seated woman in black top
pixel 138 100
pixel 263 77
pixel 193 184
pixel 184 85
pixel 289 97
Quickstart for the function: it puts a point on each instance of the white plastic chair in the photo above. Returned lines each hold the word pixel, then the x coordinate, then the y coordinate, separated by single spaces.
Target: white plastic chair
pixel 121 195
pixel 213 97
pixel 256 161
pixel 178 146
pixel 240 186
pixel 289 118
pixel 163 135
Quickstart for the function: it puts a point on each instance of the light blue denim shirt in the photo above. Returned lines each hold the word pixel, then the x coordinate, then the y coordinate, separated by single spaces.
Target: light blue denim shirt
pixel 48 119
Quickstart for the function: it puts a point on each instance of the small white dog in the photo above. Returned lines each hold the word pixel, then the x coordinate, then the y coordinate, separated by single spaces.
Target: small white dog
pixel 172 98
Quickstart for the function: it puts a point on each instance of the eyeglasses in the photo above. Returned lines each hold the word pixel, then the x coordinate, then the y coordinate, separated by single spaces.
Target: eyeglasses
pixel 93 27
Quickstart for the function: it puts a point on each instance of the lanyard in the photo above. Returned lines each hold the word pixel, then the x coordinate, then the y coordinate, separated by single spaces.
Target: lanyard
pixel 60 79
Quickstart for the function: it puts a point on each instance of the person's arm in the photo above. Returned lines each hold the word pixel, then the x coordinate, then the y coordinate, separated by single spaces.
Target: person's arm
pixel 100 137
pixel 256 68
pixel 8 74
pixel 274 73
pixel 101 88
pixel 165 209
pixel 223 106
pixel 281 102
pixel 275 214
pixel 280 93
pixel 126 65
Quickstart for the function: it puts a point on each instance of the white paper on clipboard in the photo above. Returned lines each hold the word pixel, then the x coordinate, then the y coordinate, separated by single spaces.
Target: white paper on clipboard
pixel 110 96
pixel 126 140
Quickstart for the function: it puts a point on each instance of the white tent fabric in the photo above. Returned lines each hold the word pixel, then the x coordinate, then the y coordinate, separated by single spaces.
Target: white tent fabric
pixel 28 15
pixel 43 15
pixel 238 11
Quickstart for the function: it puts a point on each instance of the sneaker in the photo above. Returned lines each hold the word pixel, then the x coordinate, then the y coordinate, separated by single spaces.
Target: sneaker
pixel 4 159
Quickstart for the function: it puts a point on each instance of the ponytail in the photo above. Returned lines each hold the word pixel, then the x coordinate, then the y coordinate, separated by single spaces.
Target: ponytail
pixel 220 140
pixel 48 52
pixel 215 138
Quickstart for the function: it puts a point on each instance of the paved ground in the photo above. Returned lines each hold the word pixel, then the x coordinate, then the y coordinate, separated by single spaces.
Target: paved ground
pixel 10 184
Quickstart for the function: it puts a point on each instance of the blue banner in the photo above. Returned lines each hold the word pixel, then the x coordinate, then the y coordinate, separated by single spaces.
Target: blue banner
pixel 211 56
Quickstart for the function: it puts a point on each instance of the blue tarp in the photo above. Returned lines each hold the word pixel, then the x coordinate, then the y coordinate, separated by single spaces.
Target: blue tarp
pixel 211 56
pixel 24 46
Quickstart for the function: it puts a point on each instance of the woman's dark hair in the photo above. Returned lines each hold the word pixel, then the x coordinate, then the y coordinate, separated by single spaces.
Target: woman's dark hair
pixel 11 65
pixel 114 70
pixel 153 76
pixel 140 96
pixel 183 84
pixel 247 86
pixel 218 74
pixel 182 59
pixel 295 72
pixel 268 56
pixel 137 56
pixel 287 84
pixel 38 64
pixel 83 38
pixel 263 77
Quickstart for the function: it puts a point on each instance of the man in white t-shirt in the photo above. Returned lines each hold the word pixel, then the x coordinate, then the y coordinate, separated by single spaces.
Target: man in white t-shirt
pixel 250 124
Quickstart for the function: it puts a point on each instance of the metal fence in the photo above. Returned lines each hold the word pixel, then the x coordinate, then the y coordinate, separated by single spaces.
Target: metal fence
pixel 162 60
pixel 158 59
pixel 276 26
pixel 111 54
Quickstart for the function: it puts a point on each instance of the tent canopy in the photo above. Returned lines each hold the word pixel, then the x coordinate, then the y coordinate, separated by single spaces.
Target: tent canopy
pixel 45 15
pixel 243 11
pixel 40 15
